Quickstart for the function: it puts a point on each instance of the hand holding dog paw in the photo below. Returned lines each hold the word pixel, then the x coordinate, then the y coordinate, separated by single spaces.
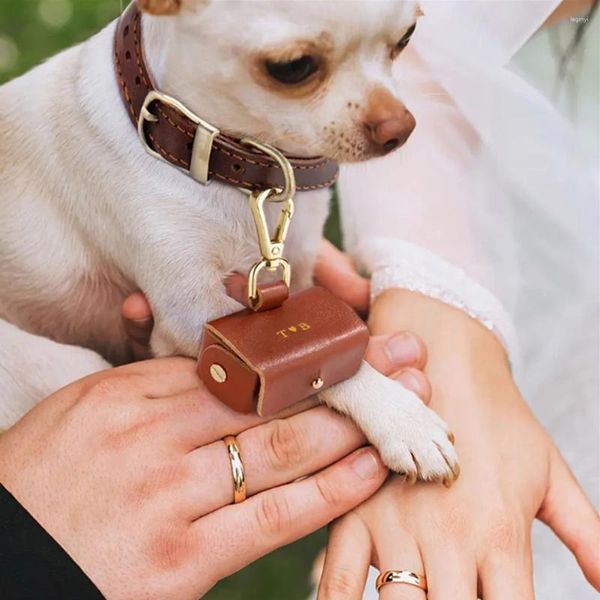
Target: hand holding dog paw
pixel 472 540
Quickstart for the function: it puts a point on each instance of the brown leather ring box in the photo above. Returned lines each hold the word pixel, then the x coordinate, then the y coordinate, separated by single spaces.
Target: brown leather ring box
pixel 266 361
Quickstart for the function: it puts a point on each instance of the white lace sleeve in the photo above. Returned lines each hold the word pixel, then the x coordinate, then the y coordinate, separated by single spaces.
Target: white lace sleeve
pixel 398 264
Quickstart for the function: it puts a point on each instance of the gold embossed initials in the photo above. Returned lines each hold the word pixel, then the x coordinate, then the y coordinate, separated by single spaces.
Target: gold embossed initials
pixel 284 333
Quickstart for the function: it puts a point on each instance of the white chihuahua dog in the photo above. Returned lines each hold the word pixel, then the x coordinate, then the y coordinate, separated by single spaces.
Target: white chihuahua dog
pixel 87 216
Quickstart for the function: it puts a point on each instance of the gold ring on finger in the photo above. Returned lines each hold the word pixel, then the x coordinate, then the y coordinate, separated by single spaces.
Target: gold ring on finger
pixel 237 469
pixel 405 577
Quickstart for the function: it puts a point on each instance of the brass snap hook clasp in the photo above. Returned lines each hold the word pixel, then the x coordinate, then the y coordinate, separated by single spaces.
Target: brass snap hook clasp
pixel 271 247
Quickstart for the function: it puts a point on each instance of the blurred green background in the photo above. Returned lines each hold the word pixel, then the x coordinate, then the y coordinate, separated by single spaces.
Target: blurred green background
pixel 31 31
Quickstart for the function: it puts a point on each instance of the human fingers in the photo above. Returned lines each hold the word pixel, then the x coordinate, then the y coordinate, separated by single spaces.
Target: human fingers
pixel 401 356
pixel 151 397
pixel 335 271
pixel 241 533
pixel 391 352
pixel 195 418
pixel 124 387
pixel 174 384
pixel 396 549
pixel 138 323
pixel 154 378
pixel 416 381
pixel 223 421
pixel 507 573
pixel 572 517
pixel 272 454
pixel 347 561
pixel 451 567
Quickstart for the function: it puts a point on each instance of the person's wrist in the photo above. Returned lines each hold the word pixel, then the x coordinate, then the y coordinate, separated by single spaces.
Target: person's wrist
pixel 446 330
pixel 467 363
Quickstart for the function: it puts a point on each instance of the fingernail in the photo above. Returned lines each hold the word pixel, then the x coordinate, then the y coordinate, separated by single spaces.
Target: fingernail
pixel 409 380
pixel 403 348
pixel 365 464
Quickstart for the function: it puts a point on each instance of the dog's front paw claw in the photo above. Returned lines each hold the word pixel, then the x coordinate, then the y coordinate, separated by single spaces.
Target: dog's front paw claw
pixel 411 438
pixel 416 442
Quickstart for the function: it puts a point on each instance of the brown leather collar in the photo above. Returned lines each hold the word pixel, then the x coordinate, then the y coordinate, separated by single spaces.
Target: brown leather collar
pixel 171 132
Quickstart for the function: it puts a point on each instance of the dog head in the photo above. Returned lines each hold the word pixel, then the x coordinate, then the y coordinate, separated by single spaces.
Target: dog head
pixel 309 76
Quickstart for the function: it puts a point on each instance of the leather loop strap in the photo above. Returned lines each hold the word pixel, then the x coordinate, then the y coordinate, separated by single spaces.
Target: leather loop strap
pixel 270 295
pixel 171 134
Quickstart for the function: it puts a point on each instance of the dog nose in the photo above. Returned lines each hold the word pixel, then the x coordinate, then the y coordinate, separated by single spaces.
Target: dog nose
pixel 393 131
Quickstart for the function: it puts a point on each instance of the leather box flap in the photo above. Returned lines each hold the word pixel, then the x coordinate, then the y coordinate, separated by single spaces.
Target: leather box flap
pixel 313 336
pixel 238 387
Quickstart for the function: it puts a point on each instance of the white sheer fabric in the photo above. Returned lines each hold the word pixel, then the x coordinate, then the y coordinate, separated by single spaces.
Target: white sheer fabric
pixel 493 207
pixel 485 142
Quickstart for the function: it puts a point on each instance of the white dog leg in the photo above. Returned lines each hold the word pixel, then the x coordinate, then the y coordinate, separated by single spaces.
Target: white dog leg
pixel 32 367
pixel 410 437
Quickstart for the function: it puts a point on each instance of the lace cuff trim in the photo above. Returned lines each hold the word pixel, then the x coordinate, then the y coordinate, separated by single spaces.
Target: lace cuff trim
pixel 399 264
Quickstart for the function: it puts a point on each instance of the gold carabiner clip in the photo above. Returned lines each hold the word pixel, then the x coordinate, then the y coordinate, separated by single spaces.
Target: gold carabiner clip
pixel 271 247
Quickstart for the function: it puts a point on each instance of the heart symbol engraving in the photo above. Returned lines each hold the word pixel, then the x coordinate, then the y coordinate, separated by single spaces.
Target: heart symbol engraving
pixel 292 329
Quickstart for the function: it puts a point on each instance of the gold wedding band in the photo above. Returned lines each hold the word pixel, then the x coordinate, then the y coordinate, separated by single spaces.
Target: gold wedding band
pixel 237 469
pixel 406 577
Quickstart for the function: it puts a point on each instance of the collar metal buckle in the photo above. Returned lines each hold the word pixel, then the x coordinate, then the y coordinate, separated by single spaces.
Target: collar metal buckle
pixel 203 140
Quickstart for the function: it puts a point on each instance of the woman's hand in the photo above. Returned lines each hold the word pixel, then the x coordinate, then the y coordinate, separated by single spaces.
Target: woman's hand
pixel 475 537
pixel 127 471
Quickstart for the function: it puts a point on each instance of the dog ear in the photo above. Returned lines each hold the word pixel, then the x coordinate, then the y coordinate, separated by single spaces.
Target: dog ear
pixel 160 7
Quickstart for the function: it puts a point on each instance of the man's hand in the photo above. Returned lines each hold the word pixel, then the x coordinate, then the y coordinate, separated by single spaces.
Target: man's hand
pixel 138 323
pixel 127 470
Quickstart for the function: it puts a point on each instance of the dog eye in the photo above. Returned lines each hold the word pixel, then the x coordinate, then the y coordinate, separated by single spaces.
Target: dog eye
pixel 403 41
pixel 294 71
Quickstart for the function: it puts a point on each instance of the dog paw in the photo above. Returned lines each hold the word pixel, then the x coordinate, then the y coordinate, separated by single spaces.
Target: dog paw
pixel 409 436
pixel 414 440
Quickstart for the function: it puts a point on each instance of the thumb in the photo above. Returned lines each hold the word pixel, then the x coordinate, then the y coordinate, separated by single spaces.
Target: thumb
pixel 138 323
pixel 572 517
pixel 335 271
